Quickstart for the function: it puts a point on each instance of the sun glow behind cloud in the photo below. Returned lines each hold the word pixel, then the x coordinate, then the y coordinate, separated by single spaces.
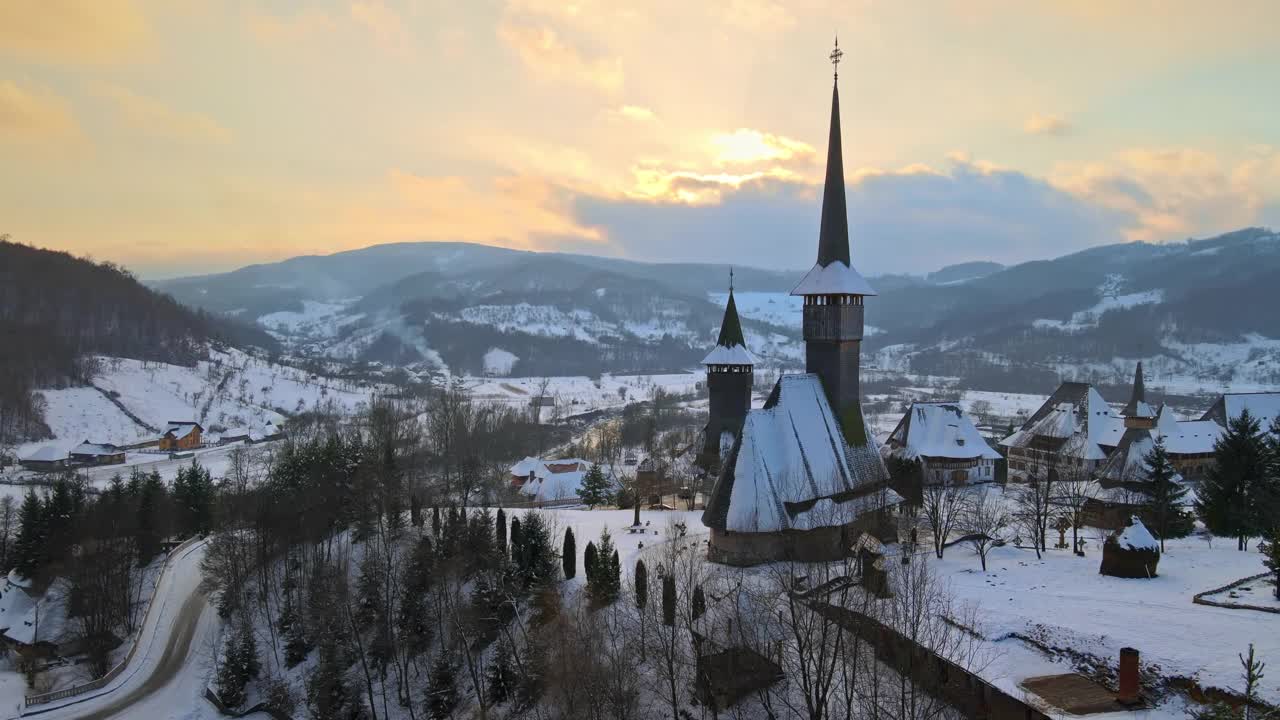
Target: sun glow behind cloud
pixel 256 131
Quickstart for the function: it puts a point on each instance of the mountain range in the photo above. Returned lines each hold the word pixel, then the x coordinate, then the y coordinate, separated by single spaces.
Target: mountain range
pixel 1198 311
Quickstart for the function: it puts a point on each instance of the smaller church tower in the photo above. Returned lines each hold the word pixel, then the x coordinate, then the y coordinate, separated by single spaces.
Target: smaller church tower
pixel 730 374
pixel 1138 414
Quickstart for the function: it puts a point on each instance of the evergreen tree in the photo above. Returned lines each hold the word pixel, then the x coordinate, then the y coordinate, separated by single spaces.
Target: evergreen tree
pixel 193 500
pixel 590 561
pixel 569 555
pixel 698 606
pixel 149 528
pixel 641 579
pixel 369 592
pixel 231 677
pixel 536 566
pixel 1271 555
pixel 292 629
pixel 500 534
pixel 595 488
pixel 1232 484
pixel 515 541
pixel 604 581
pixel 442 690
pixel 435 521
pixel 328 696
pixel 28 550
pixel 415 510
pixel 247 647
pixel 413 617
pixel 500 675
pixel 1165 494
pixel 668 600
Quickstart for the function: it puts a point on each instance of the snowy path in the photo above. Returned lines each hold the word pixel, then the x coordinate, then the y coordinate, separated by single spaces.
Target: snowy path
pixel 167 677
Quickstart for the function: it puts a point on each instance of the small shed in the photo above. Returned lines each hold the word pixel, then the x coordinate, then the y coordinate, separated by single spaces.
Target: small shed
pixel 1131 552
pixel 90 453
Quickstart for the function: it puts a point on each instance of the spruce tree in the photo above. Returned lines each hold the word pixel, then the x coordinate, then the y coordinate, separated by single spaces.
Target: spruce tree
pixel 442 690
pixel 148 528
pixel 369 592
pixel 1165 494
pixel 537 564
pixel 328 696
pixel 29 547
pixel 605 579
pixel 231 676
pixel 247 647
pixel 595 488
pixel 435 521
pixel 569 555
pixel 516 541
pixel 500 674
pixel 698 605
pixel 1240 470
pixel 415 510
pixel 668 600
pixel 1271 555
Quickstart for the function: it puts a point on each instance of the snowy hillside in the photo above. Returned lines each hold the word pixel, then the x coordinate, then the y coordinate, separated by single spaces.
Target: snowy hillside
pixel 232 389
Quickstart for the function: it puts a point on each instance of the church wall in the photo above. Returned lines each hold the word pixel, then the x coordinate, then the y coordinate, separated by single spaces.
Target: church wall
pixel 817 545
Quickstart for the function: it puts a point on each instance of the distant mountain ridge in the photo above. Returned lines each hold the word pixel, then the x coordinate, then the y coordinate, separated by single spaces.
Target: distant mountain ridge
pixel 452 303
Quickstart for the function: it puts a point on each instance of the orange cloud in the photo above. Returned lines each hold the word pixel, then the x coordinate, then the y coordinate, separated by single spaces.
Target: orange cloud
pixel 385 24
pixel 73 31
pixel 272 29
pixel 156 118
pixel 28 114
pixel 1039 124
pixel 1174 193
pixel 542 49
pixel 637 113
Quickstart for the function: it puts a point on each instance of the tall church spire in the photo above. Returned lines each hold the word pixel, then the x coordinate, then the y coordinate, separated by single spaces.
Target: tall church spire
pixel 1137 406
pixel 731 326
pixel 833 238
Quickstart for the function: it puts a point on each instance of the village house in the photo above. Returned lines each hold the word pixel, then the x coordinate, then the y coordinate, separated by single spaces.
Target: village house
pixel 803 479
pixel 1072 432
pixel 549 480
pixel 88 453
pixel 942 438
pixel 1264 406
pixel 181 435
pixel 46 458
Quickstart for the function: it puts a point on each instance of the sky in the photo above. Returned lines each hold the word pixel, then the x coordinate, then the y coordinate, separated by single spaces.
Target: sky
pixel 192 136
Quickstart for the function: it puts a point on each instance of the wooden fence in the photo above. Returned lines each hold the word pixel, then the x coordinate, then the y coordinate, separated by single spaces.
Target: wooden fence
pixel 114 672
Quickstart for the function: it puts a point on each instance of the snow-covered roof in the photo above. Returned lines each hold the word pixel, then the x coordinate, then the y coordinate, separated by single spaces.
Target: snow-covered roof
pixel 938 429
pixel 46 453
pixel 1188 437
pixel 791 468
pixel 736 355
pixel 181 429
pixel 1126 463
pixel 836 278
pixel 52 609
pixel 235 433
pixel 1075 410
pixel 552 479
pixel 95 449
pixel 1265 406
pixel 1137 537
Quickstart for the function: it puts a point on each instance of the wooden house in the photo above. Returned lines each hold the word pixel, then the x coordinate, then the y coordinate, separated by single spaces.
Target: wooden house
pixel 181 435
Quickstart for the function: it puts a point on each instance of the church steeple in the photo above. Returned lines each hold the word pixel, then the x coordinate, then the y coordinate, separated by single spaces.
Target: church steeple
pixel 833 237
pixel 1137 413
pixel 730 376
pixel 731 326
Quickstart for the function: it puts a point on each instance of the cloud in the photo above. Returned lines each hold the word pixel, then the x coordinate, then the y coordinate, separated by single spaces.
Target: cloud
pixel 1174 193
pixel 272 29
pixel 745 146
pixel 156 118
pixel 757 15
pixel 637 113
pixel 35 114
pixel 1052 125
pixel 385 24
pixel 544 51
pixel 73 31
pixel 912 220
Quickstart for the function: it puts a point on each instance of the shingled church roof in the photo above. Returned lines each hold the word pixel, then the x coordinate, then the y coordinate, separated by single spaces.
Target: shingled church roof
pixel 731 348
pixel 791 469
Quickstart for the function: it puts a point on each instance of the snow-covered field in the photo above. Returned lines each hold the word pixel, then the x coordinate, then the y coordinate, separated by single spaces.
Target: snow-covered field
pixel 1063 601
pixel 231 389
pixel 579 394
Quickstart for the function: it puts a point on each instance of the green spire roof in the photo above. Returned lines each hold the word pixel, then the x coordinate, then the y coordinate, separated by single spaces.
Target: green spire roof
pixel 731 326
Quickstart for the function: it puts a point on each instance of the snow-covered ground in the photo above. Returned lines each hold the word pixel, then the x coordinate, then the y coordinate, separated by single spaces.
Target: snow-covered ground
pixel 1063 601
pixel 1109 301
pixel 231 389
pixel 578 394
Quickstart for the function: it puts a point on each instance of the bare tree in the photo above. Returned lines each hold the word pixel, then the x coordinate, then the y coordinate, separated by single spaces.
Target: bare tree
pixel 984 521
pixel 941 507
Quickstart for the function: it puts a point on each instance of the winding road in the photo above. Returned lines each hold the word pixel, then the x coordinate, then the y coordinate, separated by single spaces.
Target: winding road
pixel 166 677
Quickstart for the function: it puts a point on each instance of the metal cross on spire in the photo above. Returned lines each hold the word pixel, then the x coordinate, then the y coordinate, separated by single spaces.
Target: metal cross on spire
pixel 730 279
pixel 835 57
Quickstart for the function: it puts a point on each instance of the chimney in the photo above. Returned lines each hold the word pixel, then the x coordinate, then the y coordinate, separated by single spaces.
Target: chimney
pixel 1128 694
